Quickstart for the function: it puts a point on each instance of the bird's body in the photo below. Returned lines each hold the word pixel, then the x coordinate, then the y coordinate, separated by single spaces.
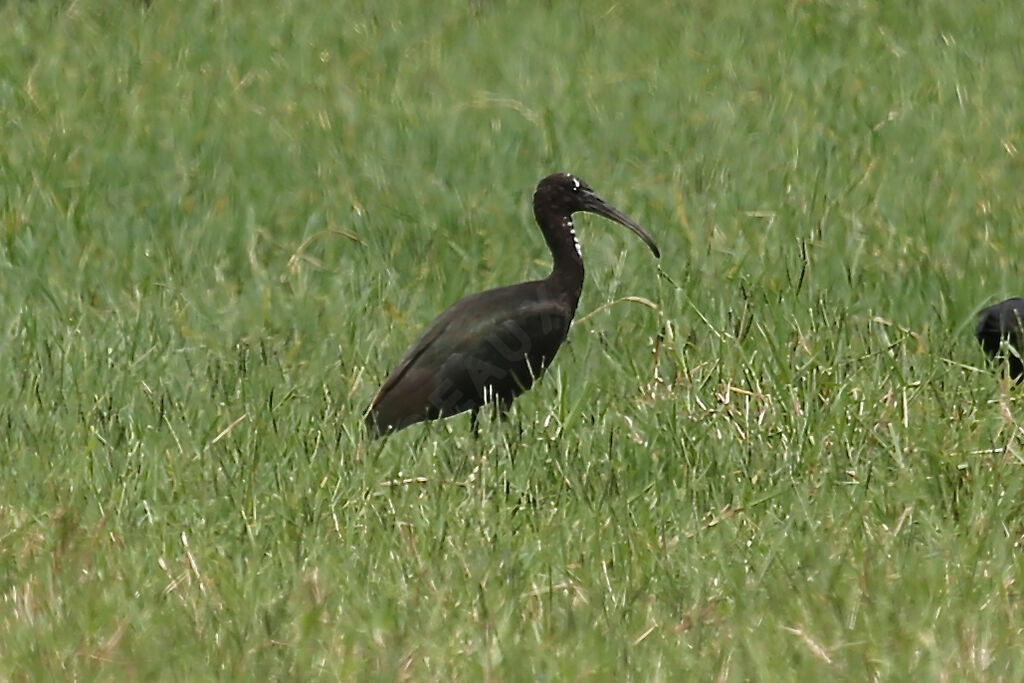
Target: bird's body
pixel 999 322
pixel 493 356
pixel 492 346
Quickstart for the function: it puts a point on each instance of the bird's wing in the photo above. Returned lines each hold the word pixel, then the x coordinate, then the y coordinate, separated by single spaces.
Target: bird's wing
pixel 483 325
pixel 414 351
pixel 532 330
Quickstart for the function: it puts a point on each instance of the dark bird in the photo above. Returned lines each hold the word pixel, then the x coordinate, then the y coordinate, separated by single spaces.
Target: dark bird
pixel 1003 321
pixel 490 347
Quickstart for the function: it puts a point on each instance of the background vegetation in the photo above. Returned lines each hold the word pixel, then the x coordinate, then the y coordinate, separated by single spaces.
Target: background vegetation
pixel 221 223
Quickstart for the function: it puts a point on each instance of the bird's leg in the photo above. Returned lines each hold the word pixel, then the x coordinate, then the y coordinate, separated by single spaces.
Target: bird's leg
pixel 501 408
pixel 474 422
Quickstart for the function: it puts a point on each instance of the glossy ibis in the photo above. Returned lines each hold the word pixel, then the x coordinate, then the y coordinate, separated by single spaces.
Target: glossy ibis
pixel 1003 321
pixel 490 347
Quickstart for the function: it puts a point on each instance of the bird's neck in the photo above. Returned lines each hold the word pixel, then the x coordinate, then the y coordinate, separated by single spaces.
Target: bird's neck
pixel 566 253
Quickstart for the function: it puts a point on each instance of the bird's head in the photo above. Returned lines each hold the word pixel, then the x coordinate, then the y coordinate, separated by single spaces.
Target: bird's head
pixel 565 194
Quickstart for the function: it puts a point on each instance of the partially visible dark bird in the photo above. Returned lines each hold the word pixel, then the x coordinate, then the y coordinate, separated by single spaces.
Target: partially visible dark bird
pixel 1003 321
pixel 490 347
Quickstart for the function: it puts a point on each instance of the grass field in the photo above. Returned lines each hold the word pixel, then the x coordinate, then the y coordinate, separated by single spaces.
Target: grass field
pixel 221 224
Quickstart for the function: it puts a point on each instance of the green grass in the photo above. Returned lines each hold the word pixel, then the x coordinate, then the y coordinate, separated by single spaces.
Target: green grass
pixel 221 225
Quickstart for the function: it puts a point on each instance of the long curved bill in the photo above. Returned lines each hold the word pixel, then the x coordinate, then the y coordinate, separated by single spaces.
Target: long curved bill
pixel 595 204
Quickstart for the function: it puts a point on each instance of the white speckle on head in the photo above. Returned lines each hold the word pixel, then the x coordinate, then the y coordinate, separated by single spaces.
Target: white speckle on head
pixel 575 183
